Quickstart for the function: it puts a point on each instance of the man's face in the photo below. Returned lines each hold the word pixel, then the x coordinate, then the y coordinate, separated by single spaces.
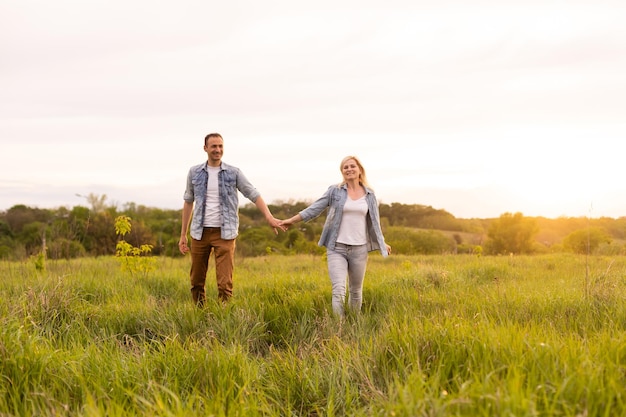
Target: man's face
pixel 214 149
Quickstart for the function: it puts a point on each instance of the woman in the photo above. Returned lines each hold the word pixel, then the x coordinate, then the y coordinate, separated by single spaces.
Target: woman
pixel 352 230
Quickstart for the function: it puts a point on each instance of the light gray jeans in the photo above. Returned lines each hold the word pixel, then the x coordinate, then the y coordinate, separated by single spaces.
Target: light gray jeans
pixel 347 261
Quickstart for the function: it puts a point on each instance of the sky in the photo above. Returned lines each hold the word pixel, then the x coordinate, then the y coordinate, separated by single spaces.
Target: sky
pixel 478 108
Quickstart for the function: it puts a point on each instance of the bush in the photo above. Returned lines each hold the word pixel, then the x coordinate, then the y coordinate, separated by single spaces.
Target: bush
pixel 406 241
pixel 65 249
pixel 586 240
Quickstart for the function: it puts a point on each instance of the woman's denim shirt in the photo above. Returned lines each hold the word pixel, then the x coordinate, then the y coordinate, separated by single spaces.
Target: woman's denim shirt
pixel 334 198
pixel 230 180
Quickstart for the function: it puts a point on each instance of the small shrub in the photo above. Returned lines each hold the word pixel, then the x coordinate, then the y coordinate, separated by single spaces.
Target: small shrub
pixel 136 260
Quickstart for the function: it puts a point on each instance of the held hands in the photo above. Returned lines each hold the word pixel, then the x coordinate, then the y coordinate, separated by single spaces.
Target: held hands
pixel 281 224
pixel 286 223
pixel 276 224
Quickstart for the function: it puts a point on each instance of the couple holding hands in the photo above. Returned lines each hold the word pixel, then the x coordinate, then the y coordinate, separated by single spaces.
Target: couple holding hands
pixel 211 216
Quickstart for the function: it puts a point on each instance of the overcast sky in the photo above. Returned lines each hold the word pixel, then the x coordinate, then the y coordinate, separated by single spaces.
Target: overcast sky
pixel 475 107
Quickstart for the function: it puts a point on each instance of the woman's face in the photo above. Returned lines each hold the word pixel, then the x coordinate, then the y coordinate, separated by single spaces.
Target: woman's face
pixel 350 170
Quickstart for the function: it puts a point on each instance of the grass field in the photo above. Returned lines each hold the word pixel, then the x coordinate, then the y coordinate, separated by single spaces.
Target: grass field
pixel 438 336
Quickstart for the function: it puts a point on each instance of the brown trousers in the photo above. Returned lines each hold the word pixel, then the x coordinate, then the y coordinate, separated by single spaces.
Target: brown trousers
pixel 224 251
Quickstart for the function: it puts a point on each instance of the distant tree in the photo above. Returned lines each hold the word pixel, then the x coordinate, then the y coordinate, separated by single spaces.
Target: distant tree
pixel 101 236
pixel 33 237
pixel 20 215
pixel 511 233
pixel 5 230
pixel 586 240
pixel 166 229
pixel 614 227
pixel 78 224
pixel 7 243
pixel 97 202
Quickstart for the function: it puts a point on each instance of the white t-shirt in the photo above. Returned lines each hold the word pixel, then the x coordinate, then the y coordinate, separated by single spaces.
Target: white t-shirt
pixel 212 212
pixel 352 230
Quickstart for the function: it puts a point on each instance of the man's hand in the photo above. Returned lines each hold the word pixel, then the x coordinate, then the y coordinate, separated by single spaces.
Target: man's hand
pixel 182 245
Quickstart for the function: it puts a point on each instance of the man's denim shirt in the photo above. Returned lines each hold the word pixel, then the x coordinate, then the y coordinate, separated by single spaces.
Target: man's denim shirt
pixel 334 199
pixel 230 180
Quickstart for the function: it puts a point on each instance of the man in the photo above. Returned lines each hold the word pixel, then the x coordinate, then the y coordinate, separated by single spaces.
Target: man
pixel 212 197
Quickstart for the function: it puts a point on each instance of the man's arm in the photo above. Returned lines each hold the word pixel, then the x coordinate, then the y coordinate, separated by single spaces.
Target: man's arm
pixel 182 243
pixel 273 222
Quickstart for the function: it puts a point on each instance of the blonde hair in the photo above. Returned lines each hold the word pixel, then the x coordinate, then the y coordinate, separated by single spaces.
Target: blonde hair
pixel 362 176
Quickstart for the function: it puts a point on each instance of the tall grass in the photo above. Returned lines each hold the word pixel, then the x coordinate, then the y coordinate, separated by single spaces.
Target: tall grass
pixel 438 336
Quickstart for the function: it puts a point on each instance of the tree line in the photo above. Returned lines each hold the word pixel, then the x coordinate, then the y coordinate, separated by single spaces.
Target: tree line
pixel 410 228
